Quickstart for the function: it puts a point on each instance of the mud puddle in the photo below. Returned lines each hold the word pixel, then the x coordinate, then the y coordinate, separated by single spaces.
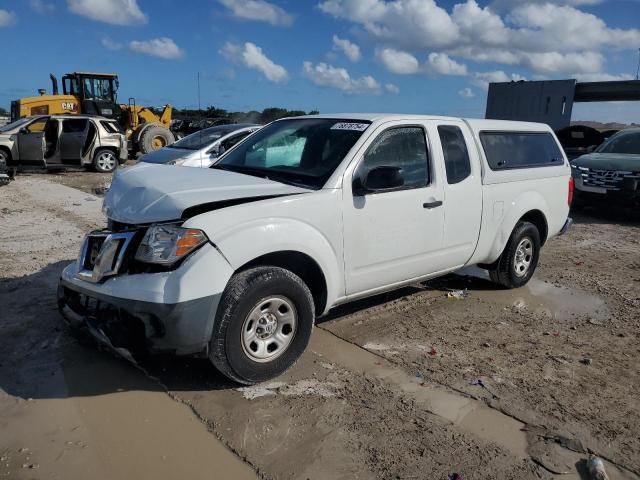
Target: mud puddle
pixel 465 413
pixel 557 302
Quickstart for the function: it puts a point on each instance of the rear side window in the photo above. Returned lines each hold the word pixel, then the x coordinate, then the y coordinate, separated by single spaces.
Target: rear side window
pixel 404 147
pixel 456 155
pixel 505 150
pixel 74 125
pixel 111 127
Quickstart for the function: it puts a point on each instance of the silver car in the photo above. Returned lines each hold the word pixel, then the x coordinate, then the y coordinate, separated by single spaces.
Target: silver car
pixel 202 148
pixel 55 141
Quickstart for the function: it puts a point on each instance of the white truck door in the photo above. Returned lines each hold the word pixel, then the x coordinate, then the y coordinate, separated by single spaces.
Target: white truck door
pixel 454 147
pixel 393 235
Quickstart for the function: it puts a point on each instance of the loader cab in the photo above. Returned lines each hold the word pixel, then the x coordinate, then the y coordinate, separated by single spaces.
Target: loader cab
pixel 96 92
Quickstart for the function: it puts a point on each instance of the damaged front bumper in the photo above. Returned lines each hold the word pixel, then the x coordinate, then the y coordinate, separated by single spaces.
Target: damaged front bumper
pixel 171 311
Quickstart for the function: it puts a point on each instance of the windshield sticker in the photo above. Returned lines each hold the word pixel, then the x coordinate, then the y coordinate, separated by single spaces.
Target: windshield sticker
pixel 358 127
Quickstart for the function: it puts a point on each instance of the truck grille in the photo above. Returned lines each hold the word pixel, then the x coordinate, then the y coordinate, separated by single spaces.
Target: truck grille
pixel 102 254
pixel 609 179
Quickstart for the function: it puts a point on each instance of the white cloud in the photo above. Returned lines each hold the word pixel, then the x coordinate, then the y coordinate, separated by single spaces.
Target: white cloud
pixel 252 56
pixel 404 63
pixel 483 79
pixel 392 88
pixel 397 61
pixel 116 12
pixel 501 5
pixel 110 44
pixel 350 49
pixel 466 93
pixel 162 47
pixel 7 18
pixel 546 37
pixel 325 75
pixel 258 10
pixel 441 64
pixel 601 77
pixel 41 7
pixel 405 23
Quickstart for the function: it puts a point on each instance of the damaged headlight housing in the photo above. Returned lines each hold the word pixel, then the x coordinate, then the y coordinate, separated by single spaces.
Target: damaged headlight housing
pixel 166 244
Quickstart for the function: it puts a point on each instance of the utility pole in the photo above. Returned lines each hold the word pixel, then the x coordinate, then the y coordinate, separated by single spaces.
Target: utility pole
pixel 638 69
pixel 199 108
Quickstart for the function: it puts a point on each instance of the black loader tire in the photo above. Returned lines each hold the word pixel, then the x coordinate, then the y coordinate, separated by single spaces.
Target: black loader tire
pixel 153 138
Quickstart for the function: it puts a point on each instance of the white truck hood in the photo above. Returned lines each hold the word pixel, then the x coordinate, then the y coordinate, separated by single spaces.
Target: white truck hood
pixel 147 193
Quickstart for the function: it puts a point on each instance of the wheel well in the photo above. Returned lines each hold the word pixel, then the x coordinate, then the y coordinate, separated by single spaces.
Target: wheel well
pixel 111 149
pixel 303 266
pixel 8 152
pixel 539 220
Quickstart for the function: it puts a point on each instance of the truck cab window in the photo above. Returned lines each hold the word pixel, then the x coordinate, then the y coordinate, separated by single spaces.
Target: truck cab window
pixel 456 155
pixel 98 89
pixel 404 147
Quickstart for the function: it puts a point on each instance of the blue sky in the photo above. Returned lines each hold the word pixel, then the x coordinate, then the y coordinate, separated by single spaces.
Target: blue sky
pixel 415 56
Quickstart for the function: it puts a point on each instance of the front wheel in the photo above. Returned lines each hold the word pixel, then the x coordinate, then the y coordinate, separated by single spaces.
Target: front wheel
pixel 519 260
pixel 105 161
pixel 263 324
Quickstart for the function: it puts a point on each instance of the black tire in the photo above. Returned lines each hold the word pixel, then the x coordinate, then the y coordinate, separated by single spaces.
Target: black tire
pixel 506 271
pixel 101 164
pixel 153 138
pixel 244 292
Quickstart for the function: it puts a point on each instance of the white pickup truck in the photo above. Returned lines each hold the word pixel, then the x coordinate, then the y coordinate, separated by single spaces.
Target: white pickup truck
pixel 237 261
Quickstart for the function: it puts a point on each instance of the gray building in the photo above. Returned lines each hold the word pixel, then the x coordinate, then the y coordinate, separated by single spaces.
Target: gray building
pixel 551 101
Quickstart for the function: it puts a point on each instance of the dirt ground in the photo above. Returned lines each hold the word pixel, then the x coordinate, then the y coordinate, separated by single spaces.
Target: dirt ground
pixel 412 384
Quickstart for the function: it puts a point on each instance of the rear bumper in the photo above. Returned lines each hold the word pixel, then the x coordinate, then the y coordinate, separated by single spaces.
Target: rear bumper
pixel 567 225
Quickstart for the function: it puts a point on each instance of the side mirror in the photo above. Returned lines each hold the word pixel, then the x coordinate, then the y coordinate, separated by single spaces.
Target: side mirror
pixel 214 152
pixel 591 148
pixel 378 179
pixel 23 130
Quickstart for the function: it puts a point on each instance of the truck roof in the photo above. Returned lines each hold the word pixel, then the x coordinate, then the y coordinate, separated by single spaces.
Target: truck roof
pixel 475 123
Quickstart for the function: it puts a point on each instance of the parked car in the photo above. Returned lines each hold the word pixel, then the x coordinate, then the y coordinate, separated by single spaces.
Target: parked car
pixel 55 141
pixel 6 174
pixel 577 140
pixel 611 173
pixel 187 127
pixel 237 261
pixel 202 148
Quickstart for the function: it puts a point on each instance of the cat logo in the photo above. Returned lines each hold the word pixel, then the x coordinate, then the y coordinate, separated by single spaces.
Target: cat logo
pixel 69 106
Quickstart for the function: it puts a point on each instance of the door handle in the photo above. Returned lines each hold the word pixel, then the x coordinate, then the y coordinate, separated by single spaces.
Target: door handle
pixel 434 204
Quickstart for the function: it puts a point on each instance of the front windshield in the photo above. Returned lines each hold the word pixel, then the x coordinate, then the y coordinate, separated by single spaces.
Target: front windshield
pixel 302 152
pixel 12 125
pixel 204 138
pixel 624 143
pixel 197 140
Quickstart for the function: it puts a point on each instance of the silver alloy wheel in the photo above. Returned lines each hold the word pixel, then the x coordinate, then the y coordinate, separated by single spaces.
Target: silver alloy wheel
pixel 523 257
pixel 269 329
pixel 107 161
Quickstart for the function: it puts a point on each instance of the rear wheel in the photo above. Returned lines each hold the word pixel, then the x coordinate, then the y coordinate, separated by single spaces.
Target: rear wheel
pixel 520 257
pixel 155 138
pixel 105 161
pixel 263 324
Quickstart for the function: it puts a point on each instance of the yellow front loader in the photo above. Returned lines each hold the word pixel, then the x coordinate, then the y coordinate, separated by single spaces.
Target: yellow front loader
pixel 95 94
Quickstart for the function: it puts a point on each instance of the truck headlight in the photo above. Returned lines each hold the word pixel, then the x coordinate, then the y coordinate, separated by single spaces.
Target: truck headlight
pixel 166 244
